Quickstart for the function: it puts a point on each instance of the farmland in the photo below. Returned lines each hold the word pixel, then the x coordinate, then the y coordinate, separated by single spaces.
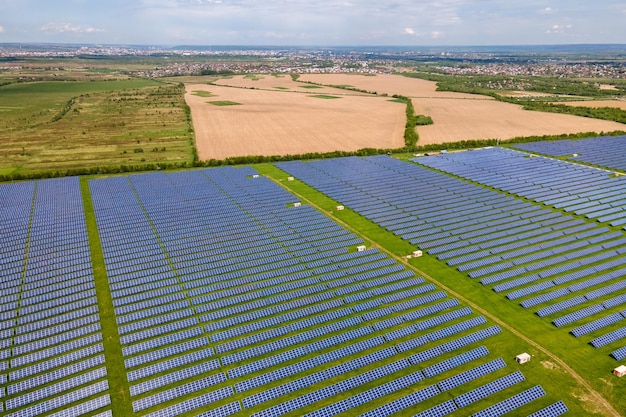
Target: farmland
pixel 460 116
pixel 279 122
pixel 281 82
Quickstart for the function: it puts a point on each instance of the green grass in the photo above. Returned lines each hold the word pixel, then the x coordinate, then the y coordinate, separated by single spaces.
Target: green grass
pixel 323 96
pixel 202 93
pixel 281 88
pixel 222 103
pixel 310 86
pixel 75 125
pixel 118 382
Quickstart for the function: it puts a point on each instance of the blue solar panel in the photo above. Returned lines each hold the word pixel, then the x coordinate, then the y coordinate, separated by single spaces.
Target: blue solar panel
pixel 488 389
pixel 610 337
pixel 555 409
pixel 619 354
pixel 402 403
pixel 597 324
pixel 455 361
pixel 512 403
pixel 471 374
pixel 439 410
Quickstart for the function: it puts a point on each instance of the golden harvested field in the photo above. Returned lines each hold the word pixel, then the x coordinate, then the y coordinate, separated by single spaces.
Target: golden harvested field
pixel 597 103
pixel 281 122
pixel 459 116
pixel 281 82
pixel 390 84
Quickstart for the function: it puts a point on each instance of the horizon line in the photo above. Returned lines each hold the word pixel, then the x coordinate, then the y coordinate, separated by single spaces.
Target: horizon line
pixel 310 45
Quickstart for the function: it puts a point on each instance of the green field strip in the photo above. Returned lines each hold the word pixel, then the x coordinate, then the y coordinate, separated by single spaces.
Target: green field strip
pixel 116 374
pixel 508 315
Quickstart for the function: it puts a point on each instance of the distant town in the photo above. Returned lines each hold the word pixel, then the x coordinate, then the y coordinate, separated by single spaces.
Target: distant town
pixel 582 61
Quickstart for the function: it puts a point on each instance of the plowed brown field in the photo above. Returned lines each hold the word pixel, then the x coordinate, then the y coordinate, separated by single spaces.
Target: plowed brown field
pixel 284 122
pixel 459 116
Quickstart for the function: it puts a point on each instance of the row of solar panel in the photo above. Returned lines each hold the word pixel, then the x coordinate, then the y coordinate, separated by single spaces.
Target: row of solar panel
pixel 524 254
pixel 605 151
pixel 277 288
pixel 557 185
pixel 299 366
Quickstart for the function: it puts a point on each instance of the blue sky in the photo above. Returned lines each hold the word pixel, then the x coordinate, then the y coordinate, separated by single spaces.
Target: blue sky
pixel 314 22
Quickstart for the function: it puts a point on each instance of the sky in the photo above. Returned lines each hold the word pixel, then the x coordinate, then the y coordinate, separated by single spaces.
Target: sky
pixel 313 22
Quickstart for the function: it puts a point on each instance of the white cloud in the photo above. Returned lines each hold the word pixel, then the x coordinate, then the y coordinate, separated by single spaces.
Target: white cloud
pixel 548 10
pixel 409 31
pixel 436 34
pixel 559 29
pixel 1 29
pixel 68 28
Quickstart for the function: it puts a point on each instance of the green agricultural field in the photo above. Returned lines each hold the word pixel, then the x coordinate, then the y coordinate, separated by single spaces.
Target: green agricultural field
pixel 324 96
pixel 201 93
pixel 222 103
pixel 68 125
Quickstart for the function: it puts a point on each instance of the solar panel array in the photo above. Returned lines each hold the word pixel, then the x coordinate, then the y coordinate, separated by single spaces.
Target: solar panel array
pixel 558 266
pixel 605 151
pixel 231 299
pixel 547 181
pixel 578 189
pixel 51 355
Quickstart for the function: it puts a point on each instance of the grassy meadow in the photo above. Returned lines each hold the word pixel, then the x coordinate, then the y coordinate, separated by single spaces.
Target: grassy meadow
pixel 73 125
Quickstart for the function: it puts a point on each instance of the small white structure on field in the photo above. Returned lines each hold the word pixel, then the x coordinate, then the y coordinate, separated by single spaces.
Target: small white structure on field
pixel 417 253
pixel 289 178
pixel 255 176
pixel 298 204
pixel 339 208
pixel 620 371
pixel 360 248
pixel 522 358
